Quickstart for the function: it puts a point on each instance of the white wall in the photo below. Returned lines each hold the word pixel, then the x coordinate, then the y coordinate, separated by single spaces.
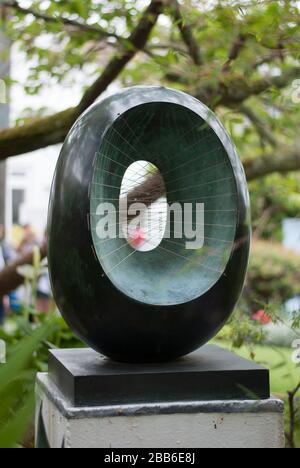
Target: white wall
pixel 33 172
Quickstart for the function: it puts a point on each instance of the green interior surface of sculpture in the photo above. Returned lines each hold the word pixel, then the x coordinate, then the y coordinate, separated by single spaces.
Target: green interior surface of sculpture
pixel 166 153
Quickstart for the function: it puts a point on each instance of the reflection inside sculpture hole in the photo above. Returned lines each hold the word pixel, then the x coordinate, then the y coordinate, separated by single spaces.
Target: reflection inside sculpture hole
pixel 143 206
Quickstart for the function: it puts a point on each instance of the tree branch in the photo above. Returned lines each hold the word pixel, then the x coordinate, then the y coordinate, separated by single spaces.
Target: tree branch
pixel 51 130
pixel 292 413
pixel 271 57
pixel 235 52
pixel 36 134
pixel 137 41
pixel 233 91
pixel 167 46
pixel 59 20
pixel 283 160
pixel 186 33
pixel 261 127
pixel 279 82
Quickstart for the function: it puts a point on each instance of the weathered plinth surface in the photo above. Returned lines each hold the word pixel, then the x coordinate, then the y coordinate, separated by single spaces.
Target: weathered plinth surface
pixel 211 398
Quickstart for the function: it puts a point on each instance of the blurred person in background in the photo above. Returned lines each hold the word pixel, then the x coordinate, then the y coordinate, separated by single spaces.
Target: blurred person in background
pixel 7 255
pixel 2 241
pixel 29 240
pixel 27 243
pixel 44 292
pixel 8 252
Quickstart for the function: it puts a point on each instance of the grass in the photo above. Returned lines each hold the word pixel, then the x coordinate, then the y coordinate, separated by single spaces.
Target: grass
pixel 285 375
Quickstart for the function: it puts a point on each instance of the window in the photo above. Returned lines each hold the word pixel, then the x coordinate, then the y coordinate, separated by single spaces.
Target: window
pixel 18 197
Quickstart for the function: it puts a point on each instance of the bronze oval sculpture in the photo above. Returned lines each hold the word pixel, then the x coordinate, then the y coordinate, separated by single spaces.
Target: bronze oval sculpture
pixel 162 303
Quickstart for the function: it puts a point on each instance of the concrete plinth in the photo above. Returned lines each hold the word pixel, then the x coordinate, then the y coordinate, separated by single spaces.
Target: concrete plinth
pixel 74 409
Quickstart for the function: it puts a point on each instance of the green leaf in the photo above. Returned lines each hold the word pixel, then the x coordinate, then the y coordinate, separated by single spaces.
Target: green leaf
pixel 79 7
pixel 16 389
pixel 21 356
pixel 12 431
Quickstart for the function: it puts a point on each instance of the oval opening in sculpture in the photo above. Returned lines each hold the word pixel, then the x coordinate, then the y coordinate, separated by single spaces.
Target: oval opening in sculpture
pixel 143 206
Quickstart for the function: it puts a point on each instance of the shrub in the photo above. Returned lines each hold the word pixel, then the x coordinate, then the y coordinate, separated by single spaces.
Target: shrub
pixel 273 277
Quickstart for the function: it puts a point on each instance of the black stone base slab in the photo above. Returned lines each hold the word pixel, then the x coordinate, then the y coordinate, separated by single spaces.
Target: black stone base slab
pixel 86 378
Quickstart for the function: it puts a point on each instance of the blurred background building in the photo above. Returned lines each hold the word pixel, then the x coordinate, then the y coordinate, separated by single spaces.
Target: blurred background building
pixel 4 115
pixel 29 177
pixel 27 190
pixel 291 234
pixel 24 181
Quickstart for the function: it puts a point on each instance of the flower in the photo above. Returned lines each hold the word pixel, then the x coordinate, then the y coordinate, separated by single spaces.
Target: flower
pixel 262 317
pixel 137 237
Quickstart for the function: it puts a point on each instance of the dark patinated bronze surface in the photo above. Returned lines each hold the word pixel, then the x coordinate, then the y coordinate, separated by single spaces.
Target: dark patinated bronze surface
pixel 158 305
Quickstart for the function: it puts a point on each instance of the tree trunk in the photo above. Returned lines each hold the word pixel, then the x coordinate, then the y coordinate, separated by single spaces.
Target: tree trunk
pixel 2 192
pixel 4 115
pixel 148 191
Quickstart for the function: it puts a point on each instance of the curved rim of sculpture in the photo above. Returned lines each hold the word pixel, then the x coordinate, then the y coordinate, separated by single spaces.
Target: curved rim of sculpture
pixel 83 292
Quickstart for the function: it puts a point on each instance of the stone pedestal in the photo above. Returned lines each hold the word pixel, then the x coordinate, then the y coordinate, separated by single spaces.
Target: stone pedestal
pixel 211 398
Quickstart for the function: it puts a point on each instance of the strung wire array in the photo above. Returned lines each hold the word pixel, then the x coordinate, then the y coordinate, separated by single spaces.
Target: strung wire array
pixel 195 169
